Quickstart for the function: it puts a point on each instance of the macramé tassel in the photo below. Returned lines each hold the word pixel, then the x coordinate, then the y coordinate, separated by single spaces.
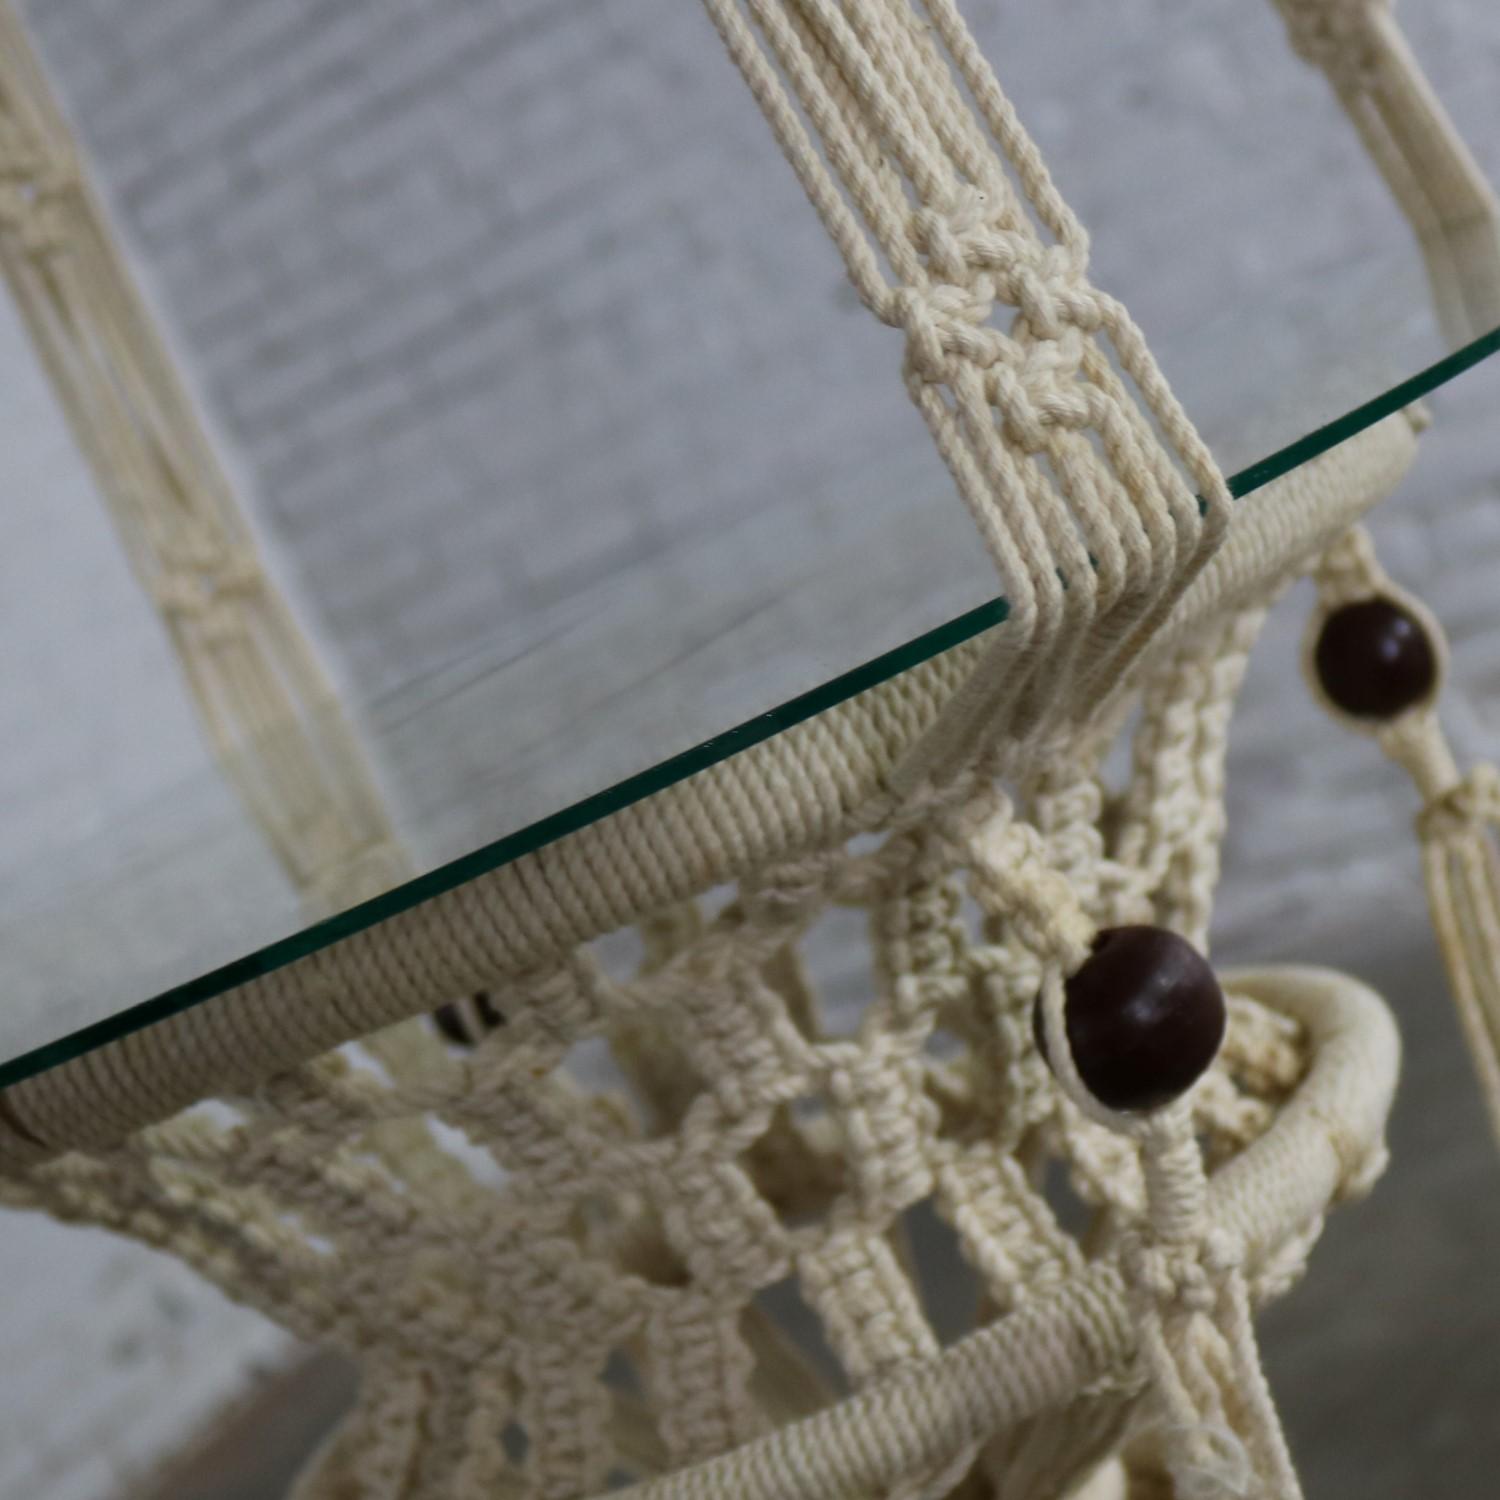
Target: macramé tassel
pixel 1460 812
pixel 1456 827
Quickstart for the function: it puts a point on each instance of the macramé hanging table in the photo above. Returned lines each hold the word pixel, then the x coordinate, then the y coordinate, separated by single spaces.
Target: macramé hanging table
pixel 554 1290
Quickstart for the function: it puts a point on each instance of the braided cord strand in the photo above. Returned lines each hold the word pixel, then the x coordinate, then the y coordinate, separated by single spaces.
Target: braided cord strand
pixel 271 716
pixel 1087 498
pixel 583 1297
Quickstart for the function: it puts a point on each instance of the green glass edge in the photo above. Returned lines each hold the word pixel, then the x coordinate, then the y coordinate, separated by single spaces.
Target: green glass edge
pixel 688 763
pixel 513 845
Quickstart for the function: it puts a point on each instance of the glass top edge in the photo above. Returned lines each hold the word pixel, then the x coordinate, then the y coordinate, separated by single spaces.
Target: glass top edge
pixel 527 840
pixel 685 764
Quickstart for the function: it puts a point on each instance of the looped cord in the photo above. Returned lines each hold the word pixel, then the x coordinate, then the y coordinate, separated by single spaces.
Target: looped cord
pixel 1223 1437
pixel 1190 1275
pixel 1010 872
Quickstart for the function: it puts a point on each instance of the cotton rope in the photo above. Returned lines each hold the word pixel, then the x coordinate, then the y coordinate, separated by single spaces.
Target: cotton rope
pixel 270 714
pixel 271 717
pixel 1408 134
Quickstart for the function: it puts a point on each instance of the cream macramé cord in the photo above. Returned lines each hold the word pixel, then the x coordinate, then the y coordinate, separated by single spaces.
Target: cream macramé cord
pixel 1221 1435
pixel 808 788
pixel 1460 814
pixel 1428 168
pixel 475 1311
pixel 272 717
pixel 577 1296
pixel 286 1211
pixel 1094 528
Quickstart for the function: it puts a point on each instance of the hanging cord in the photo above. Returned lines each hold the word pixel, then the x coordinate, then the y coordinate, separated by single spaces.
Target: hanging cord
pixel 1087 496
pixel 269 712
pixel 1220 1431
pixel 1430 171
pixel 1375 658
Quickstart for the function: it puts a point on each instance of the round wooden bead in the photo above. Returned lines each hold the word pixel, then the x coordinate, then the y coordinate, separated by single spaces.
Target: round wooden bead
pixel 467 1022
pixel 1374 659
pixel 1144 1017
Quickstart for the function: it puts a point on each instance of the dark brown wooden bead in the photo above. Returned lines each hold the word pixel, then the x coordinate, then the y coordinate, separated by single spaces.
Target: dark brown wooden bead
pixel 467 1022
pixel 1375 660
pixel 1144 1018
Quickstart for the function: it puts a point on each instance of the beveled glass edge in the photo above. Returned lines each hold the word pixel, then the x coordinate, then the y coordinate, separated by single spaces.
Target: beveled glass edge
pixel 680 767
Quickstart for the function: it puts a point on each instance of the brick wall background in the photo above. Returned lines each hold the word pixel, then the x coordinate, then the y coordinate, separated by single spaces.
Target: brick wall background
pixel 565 437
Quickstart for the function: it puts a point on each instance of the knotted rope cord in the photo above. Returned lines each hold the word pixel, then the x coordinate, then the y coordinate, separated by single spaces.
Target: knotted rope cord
pixel 1339 36
pixel 1094 529
pixel 1457 824
pixel 271 717
pixel 1428 168
pixel 754 810
pixel 495 1308
pixel 492 1298
pixel 500 1308
pixel 1222 1437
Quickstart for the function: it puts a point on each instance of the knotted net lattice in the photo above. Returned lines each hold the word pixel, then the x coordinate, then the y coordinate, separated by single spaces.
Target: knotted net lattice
pixel 576 1274
pixel 692 1227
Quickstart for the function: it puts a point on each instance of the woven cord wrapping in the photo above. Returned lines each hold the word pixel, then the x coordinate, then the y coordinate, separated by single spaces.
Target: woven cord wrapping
pixel 669 1227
